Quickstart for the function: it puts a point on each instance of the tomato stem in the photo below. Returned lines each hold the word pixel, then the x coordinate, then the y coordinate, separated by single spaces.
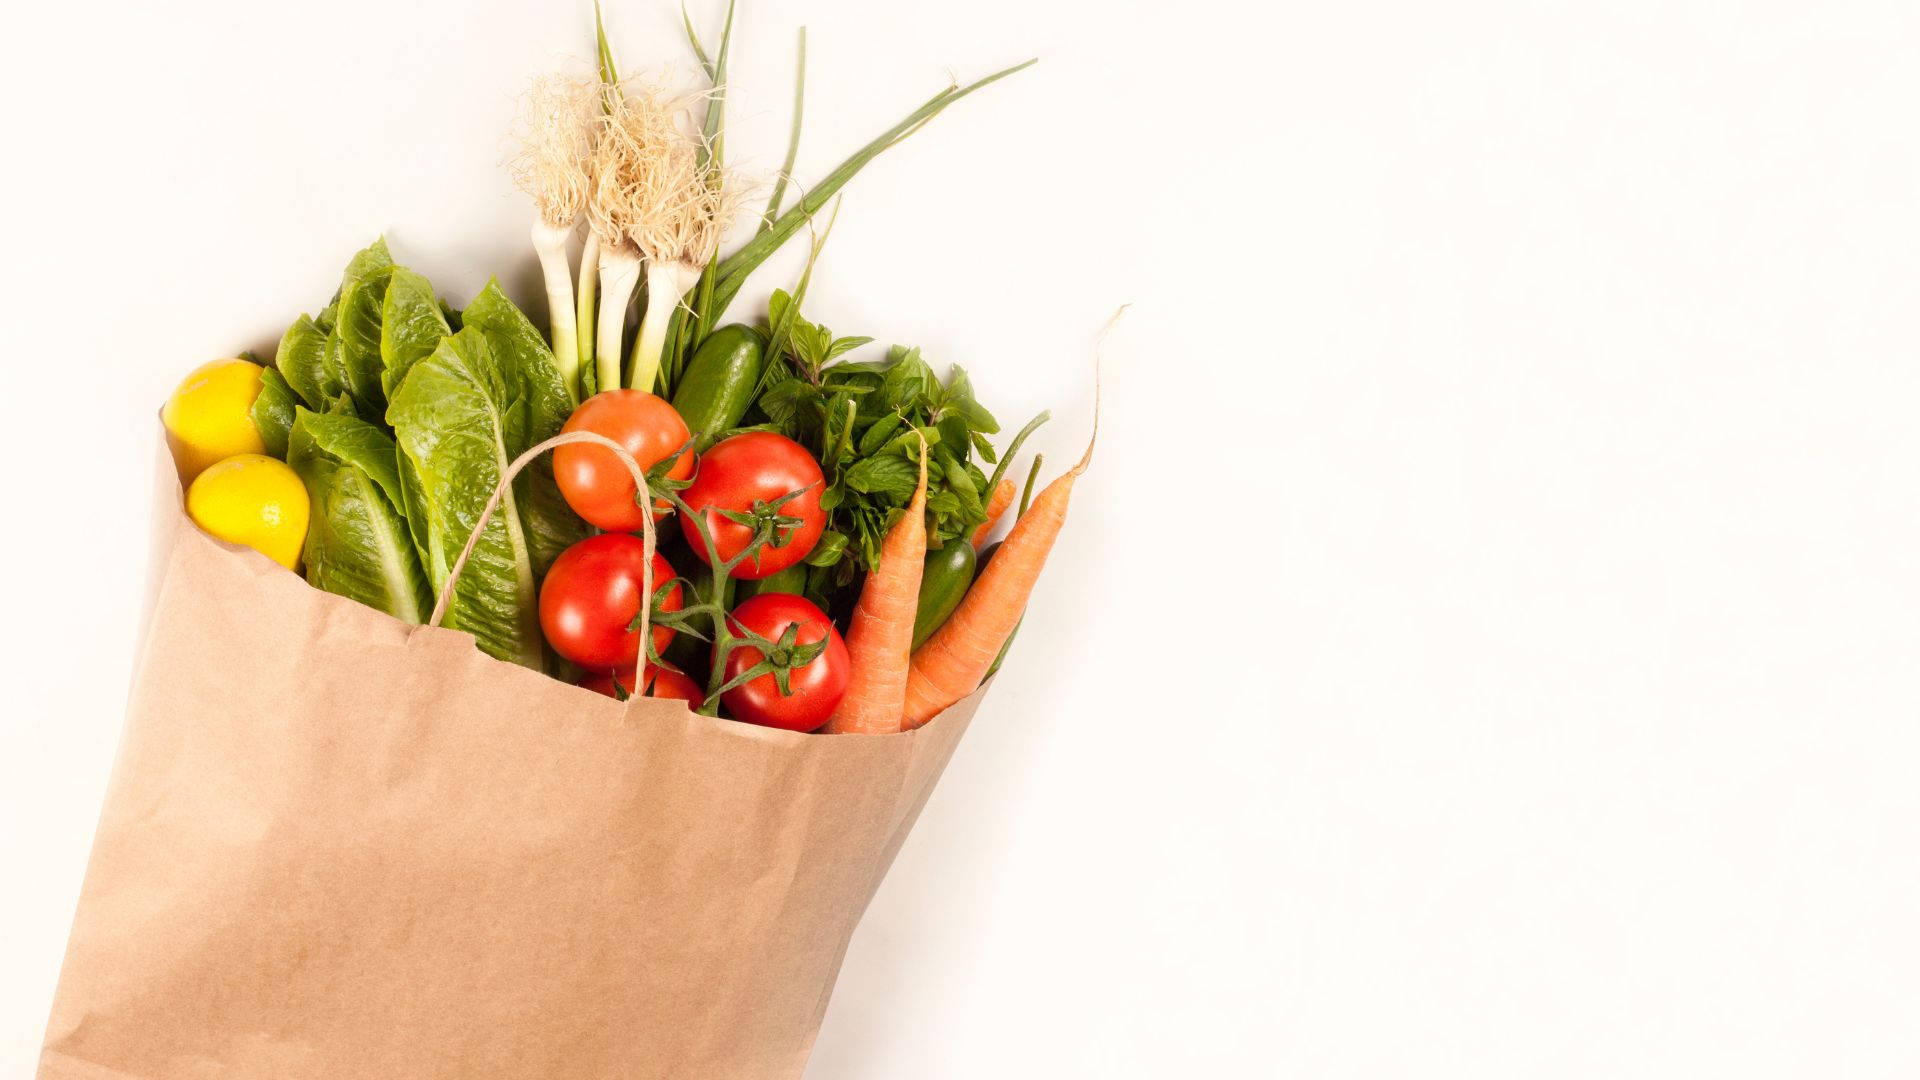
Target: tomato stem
pixel 768 524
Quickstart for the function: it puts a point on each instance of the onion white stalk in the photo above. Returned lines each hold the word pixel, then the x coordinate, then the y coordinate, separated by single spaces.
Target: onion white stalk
pixel 667 285
pixel 552 167
pixel 619 273
pixel 622 161
pixel 550 243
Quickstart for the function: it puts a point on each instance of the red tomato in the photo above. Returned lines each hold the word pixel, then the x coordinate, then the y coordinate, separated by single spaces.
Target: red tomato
pixel 591 596
pixel 592 479
pixel 762 466
pixel 667 683
pixel 662 682
pixel 815 689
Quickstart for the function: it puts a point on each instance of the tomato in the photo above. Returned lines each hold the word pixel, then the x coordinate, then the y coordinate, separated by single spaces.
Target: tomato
pixel 814 689
pixel 667 683
pixel 662 682
pixel 592 594
pixel 593 480
pixel 756 466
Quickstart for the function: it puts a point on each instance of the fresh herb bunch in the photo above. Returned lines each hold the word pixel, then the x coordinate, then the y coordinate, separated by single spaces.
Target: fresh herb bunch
pixel 864 421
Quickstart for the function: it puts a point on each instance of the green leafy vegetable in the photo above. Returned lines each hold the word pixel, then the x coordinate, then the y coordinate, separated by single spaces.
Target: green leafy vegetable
pixel 357 544
pixel 552 526
pixel 885 475
pixel 400 416
pixel 411 326
pixel 865 420
pixel 457 424
pixel 339 351
pixel 272 411
pixel 412 323
pixel 366 263
pixel 355 342
pixel 302 362
pixel 463 413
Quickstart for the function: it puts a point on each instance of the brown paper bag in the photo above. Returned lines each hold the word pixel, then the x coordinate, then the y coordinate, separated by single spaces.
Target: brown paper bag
pixel 335 845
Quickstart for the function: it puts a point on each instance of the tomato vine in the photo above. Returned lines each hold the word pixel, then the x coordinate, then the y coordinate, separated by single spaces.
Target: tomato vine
pixel 780 657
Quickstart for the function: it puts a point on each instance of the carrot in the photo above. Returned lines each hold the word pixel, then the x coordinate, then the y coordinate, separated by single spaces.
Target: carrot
pixel 880 633
pixel 997 504
pixel 955 659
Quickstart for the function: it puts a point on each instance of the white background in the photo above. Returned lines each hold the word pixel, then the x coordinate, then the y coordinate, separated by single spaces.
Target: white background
pixel 1485 644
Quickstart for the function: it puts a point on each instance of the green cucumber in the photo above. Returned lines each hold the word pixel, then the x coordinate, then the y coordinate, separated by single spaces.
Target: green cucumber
pixel 713 393
pixel 943 583
pixel 791 580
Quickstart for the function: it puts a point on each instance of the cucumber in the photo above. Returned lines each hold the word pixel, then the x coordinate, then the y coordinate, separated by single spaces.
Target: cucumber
pixel 943 582
pixel 791 580
pixel 717 387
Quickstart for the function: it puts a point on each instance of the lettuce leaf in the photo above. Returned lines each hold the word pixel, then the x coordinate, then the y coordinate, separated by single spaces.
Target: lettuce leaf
pixel 357 543
pixel 552 526
pixel 356 341
pixel 412 322
pixel 460 416
pixel 368 261
pixel 412 413
pixel 339 350
pixel 302 362
pixel 411 326
pixel 272 412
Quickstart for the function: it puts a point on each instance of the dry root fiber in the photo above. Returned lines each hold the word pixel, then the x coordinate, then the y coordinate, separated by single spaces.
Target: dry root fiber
pixel 558 126
pixel 650 189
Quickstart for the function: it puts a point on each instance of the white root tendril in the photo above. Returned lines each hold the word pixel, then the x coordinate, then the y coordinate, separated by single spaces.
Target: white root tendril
pixel 557 131
pixel 654 196
pixel 557 135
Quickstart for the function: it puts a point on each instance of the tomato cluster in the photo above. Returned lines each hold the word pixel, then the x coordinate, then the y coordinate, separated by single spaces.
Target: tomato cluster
pixel 758 495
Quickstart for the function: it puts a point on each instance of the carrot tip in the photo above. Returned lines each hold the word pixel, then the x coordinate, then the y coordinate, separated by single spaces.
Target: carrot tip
pixel 1099 359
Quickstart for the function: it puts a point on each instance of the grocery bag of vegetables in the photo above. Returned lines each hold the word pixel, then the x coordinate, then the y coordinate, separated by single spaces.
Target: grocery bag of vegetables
pixel 509 704
pixel 336 845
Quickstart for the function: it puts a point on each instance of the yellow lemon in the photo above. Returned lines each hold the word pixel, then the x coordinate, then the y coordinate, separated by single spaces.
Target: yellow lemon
pixel 208 417
pixel 254 500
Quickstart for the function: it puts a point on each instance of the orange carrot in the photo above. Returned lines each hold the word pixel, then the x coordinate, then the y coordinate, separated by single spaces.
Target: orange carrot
pixel 997 504
pixel 954 660
pixel 880 633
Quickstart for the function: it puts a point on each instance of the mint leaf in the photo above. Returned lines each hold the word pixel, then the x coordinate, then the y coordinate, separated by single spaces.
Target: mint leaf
pixel 844 345
pixel 878 433
pixel 884 475
pixel 958 400
pixel 909 384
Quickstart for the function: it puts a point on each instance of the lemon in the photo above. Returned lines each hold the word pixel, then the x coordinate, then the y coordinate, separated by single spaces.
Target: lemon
pixel 209 418
pixel 254 500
